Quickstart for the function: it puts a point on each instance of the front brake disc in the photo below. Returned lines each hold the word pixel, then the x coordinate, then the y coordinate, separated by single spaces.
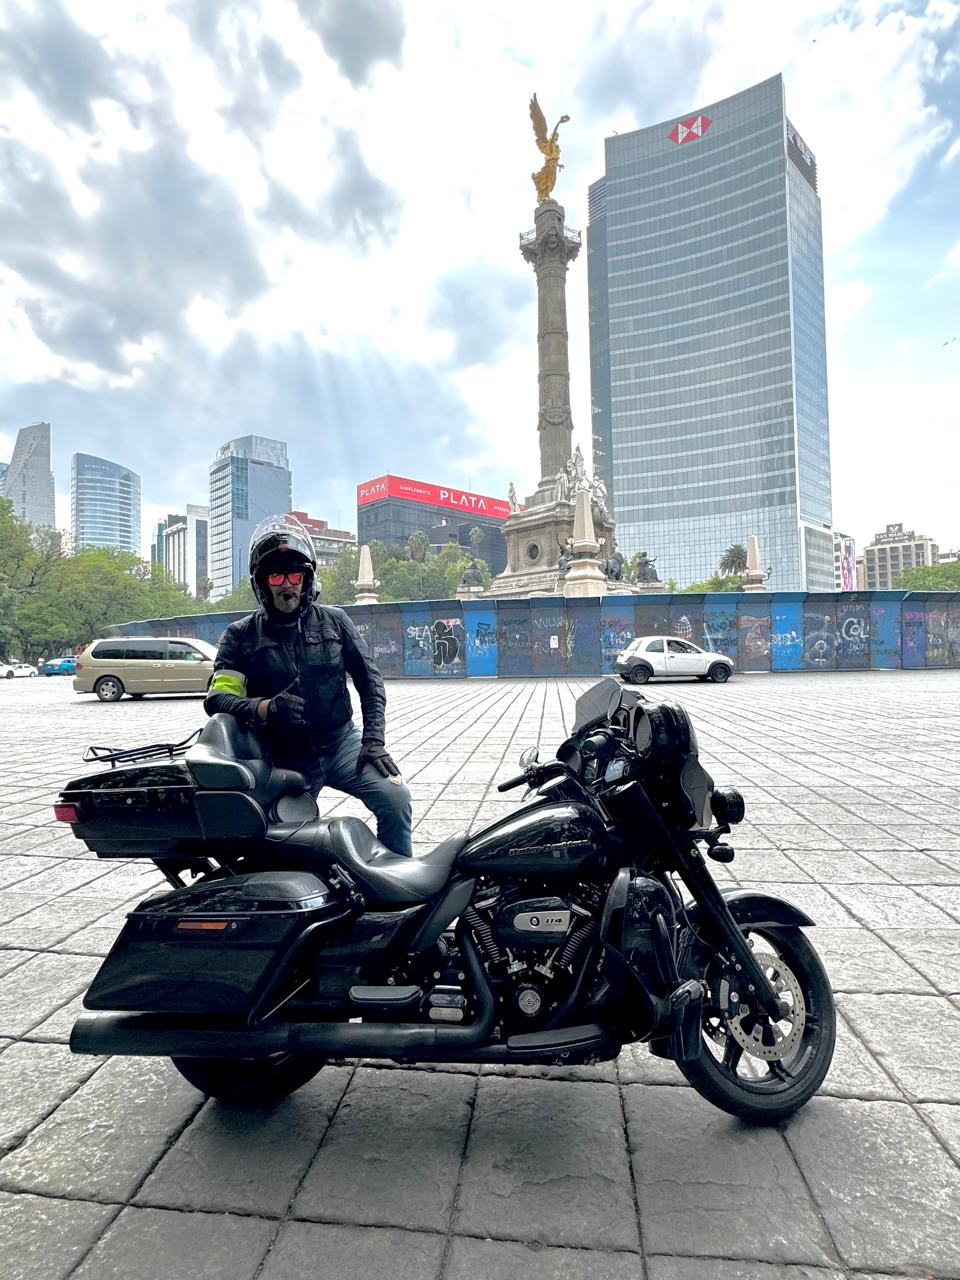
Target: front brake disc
pixel 757 1034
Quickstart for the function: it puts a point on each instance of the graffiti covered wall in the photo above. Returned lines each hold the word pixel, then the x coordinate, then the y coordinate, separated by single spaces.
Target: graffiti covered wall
pixel 550 636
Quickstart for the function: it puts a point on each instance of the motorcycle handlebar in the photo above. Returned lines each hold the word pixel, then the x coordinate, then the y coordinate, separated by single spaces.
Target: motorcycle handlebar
pixel 512 782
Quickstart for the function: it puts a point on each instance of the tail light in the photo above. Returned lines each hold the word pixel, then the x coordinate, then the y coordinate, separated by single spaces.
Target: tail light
pixel 66 812
pixel 79 666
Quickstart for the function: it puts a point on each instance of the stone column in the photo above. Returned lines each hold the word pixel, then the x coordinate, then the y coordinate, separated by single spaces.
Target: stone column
pixel 584 576
pixel 366 583
pixel 549 247
pixel 755 578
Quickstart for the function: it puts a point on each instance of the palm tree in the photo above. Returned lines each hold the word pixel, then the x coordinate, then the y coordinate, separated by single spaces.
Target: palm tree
pixel 476 538
pixel 418 546
pixel 378 553
pixel 734 559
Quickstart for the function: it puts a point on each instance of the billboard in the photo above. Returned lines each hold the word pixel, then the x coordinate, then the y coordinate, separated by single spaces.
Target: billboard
pixel 433 495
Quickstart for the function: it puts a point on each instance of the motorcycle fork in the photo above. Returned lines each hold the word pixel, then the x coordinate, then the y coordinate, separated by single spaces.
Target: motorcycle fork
pixel 694 874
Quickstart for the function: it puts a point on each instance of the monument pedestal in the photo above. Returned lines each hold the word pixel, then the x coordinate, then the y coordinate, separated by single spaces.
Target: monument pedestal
pixel 535 538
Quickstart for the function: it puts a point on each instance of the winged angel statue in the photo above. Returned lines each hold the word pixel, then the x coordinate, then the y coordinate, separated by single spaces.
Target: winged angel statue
pixel 546 179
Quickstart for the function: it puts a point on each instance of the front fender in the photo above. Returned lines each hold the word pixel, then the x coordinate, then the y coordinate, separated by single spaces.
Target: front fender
pixel 749 907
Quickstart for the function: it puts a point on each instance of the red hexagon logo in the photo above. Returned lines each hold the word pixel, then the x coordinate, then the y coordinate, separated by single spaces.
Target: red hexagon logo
pixel 690 129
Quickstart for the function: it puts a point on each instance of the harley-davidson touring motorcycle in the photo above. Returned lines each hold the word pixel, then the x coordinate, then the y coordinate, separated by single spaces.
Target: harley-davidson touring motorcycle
pixel 584 921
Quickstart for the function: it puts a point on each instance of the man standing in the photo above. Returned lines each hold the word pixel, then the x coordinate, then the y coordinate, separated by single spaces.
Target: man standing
pixel 282 671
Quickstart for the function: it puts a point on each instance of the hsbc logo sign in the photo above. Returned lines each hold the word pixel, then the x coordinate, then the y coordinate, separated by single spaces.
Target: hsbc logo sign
pixel 690 129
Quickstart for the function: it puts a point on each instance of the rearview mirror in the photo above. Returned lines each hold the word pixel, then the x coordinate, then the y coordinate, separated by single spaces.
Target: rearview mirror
pixel 529 757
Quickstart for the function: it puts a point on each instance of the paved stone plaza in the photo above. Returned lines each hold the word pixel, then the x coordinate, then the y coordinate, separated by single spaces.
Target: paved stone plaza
pixel 117 1168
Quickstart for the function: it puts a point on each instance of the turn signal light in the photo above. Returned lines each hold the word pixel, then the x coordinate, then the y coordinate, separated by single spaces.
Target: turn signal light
pixel 203 926
pixel 66 813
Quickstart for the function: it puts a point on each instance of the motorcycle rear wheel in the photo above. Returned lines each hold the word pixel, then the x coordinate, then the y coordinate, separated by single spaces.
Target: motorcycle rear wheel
pixel 766 1091
pixel 249 1082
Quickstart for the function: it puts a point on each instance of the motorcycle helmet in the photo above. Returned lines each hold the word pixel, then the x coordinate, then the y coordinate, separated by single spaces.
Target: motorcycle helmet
pixel 281 543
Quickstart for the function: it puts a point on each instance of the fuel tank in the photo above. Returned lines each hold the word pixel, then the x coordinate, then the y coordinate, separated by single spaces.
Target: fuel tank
pixel 548 841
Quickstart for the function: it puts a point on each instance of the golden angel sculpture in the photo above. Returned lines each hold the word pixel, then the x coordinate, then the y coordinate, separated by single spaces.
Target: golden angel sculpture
pixel 545 180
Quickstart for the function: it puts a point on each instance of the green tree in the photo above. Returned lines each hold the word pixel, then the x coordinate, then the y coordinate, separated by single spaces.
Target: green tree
pixel 399 579
pixel 734 559
pixel 418 547
pixel 204 587
pixel 241 597
pixel 476 539
pixel 336 581
pixel 718 582
pixel 929 577
pixel 378 553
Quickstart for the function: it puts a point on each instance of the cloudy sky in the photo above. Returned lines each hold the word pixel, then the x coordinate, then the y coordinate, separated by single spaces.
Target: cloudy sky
pixel 300 218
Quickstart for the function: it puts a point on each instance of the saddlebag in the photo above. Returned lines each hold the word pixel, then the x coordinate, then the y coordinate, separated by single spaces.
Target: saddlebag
pixel 226 947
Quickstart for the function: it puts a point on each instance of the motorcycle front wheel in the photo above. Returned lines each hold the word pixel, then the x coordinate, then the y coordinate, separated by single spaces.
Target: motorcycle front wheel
pixel 249 1082
pixel 749 1065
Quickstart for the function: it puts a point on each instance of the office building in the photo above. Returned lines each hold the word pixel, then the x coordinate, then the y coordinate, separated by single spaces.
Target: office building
pixel 893 551
pixel 391 508
pixel 4 468
pixel 185 548
pixel 104 504
pixel 158 545
pixel 707 344
pixel 249 480
pixel 327 542
pixel 28 480
pixel 844 562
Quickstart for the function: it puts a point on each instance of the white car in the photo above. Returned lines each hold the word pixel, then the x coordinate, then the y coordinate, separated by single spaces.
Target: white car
pixel 650 656
pixel 10 669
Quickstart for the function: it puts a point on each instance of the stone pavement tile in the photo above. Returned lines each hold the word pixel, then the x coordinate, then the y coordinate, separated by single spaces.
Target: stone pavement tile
pixel 546 1162
pixel 50 923
pixel 67 874
pixel 95 940
pixel 33 1079
pixel 945 897
pixel 665 1268
pixel 107 1137
pixel 764 866
pixel 913 867
pixel 13 959
pixel 863 836
pixel 926 836
pixel 935 952
pixel 888 1192
pixel 13 904
pixel 392 1154
pixel 916 1038
pixel 15 870
pixel 799 836
pixel 309 1251
pixel 837 866
pixel 881 906
pixel 946 1120
pixel 711 1186
pixel 146 1244
pixel 57 1028
pixel 637 1065
pixel 510 1260
pixel 44 1239
pixel 33 990
pixel 858 960
pixel 606 1072
pixel 854 1072
pixel 811 898
pixel 248 1160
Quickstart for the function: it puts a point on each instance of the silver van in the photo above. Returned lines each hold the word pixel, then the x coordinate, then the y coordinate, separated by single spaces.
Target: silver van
pixel 144 664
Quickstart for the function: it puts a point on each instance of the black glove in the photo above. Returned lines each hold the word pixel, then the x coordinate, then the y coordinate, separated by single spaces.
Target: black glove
pixel 286 707
pixel 377 755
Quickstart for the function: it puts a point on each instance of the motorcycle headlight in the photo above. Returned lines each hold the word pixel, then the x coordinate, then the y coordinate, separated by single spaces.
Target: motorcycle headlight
pixel 727 805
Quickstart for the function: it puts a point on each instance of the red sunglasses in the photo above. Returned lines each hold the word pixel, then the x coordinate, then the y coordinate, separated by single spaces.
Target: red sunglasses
pixel 295 578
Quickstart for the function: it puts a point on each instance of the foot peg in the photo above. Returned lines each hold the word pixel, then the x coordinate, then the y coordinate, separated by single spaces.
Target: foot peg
pixel 693 989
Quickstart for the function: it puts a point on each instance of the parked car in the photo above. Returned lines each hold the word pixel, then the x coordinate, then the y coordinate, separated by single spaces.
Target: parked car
pixel 65 666
pixel 10 669
pixel 650 656
pixel 144 664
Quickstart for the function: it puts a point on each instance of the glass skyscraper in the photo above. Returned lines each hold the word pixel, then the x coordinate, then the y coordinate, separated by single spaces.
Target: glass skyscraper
pixel 104 504
pixel 249 480
pixel 707 344
pixel 27 479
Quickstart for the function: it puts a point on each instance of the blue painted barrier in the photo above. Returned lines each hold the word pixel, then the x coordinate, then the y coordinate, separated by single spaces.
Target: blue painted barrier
pixel 551 636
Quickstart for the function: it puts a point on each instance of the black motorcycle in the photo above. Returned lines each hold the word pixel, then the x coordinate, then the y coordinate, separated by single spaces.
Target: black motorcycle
pixel 585 921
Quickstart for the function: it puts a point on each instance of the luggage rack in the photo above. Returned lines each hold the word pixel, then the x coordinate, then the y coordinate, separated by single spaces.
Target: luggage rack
pixel 126 755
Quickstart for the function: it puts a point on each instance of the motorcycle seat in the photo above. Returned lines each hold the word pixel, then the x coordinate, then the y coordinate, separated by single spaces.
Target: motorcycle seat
pixel 385 878
pixel 227 757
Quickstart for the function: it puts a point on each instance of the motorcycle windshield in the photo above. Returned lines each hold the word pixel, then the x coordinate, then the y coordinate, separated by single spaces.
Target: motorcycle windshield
pixel 594 706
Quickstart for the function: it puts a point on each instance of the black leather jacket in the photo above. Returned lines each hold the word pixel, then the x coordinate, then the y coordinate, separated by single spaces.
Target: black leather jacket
pixel 252 657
